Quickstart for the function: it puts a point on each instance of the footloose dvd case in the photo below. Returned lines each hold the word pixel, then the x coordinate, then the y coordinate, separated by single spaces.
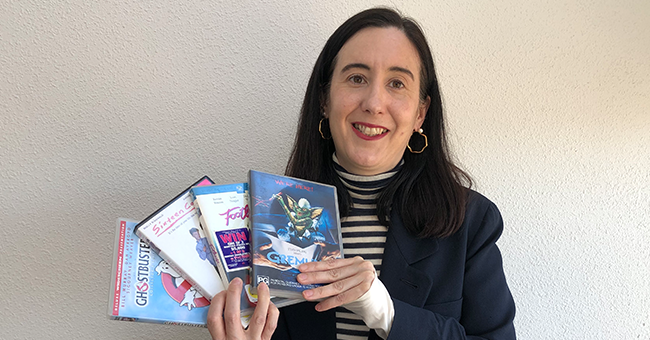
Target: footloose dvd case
pixel 174 233
pixel 145 288
pixel 294 221
pixel 223 213
pixel 224 216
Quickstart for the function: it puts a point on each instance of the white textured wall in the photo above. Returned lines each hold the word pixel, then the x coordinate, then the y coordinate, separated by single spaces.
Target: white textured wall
pixel 108 108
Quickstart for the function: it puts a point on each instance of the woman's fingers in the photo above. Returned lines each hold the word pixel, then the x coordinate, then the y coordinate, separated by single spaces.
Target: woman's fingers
pixel 232 314
pixel 343 298
pixel 215 316
pixel 330 263
pixel 345 280
pixel 271 322
pixel 258 319
pixel 333 270
pixel 224 317
pixel 265 318
pixel 342 291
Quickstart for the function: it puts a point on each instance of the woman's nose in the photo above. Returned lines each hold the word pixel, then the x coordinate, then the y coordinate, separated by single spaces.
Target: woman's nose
pixel 374 100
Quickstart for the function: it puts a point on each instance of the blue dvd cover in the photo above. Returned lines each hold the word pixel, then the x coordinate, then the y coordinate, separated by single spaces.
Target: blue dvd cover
pixel 293 221
pixel 145 288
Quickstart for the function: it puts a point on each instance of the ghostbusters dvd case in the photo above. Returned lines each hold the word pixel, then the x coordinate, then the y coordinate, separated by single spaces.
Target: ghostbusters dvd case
pixel 293 221
pixel 145 288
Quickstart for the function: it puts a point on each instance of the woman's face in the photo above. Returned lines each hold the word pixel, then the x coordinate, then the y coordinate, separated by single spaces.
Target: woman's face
pixel 374 104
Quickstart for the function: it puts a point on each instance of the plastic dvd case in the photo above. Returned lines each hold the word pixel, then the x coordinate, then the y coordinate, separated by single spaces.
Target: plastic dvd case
pixel 145 288
pixel 174 233
pixel 294 221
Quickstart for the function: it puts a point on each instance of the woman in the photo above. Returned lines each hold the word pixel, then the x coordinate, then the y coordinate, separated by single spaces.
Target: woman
pixel 420 255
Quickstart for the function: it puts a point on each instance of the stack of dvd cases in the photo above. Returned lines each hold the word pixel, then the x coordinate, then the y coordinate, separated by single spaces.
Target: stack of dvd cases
pixel 168 267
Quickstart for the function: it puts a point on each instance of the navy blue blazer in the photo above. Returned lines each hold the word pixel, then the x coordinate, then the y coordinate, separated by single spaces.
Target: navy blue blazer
pixel 449 288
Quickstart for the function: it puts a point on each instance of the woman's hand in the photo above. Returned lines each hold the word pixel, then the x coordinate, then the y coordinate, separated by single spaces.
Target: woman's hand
pixel 224 320
pixel 345 280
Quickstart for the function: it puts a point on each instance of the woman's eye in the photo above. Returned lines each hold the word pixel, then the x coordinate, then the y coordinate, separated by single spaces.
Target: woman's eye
pixel 356 79
pixel 396 84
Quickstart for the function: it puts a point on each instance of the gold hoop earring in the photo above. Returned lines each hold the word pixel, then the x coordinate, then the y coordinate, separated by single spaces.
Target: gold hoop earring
pixel 321 131
pixel 426 142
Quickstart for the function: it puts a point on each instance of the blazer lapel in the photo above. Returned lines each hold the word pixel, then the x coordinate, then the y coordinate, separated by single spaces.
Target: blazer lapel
pixel 404 281
pixel 412 249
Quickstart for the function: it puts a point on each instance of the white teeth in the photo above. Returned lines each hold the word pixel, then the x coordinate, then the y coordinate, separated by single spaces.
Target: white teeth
pixel 368 131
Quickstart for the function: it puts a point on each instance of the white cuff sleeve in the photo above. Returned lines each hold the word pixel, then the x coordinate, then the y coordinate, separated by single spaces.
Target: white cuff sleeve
pixel 375 307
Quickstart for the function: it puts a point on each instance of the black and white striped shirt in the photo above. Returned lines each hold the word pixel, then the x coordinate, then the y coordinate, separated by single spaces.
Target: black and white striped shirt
pixel 363 236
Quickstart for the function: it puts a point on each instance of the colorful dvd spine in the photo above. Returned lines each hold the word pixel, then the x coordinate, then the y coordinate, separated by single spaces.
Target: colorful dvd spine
pixel 174 233
pixel 144 287
pixel 293 222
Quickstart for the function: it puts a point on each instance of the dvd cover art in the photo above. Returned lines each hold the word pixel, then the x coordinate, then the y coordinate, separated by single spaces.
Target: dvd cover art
pixel 175 234
pixel 293 222
pixel 145 288
pixel 223 213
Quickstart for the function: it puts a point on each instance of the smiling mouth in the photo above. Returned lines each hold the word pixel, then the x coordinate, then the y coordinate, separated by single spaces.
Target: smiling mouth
pixel 368 131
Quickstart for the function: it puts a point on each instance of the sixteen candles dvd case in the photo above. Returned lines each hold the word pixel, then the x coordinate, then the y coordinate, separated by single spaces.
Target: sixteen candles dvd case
pixel 145 288
pixel 293 222
pixel 175 234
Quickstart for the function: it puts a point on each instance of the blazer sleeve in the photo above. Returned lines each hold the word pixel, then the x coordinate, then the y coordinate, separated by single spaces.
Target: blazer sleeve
pixel 488 308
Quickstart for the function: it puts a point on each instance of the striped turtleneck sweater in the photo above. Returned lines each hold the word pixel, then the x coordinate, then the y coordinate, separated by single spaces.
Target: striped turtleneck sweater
pixel 363 236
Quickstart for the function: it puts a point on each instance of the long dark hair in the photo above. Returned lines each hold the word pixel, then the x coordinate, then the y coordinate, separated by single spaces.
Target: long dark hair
pixel 428 192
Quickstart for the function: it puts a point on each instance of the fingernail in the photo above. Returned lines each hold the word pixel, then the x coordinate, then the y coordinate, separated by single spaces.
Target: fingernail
pixel 301 277
pixel 308 293
pixel 318 307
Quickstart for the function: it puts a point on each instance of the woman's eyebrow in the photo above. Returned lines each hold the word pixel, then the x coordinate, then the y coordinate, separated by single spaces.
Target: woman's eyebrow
pixel 403 70
pixel 366 67
pixel 355 65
